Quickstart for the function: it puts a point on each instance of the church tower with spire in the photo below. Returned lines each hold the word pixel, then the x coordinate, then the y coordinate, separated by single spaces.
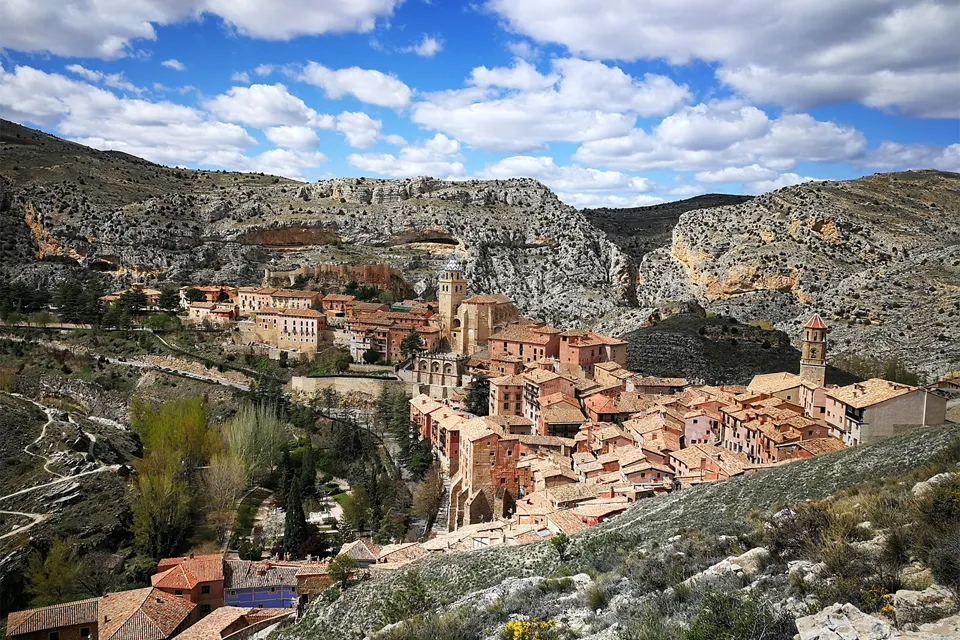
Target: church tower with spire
pixel 451 291
pixel 813 354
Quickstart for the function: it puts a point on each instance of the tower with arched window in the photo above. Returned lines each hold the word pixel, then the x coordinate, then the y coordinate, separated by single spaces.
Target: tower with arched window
pixel 813 353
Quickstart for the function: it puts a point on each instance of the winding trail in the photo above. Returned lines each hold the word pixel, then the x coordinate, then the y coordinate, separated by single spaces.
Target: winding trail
pixel 37 518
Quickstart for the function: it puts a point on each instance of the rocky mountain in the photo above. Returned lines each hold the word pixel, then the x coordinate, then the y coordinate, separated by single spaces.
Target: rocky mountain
pixel 877 257
pixel 68 204
pixel 639 230
pixel 714 350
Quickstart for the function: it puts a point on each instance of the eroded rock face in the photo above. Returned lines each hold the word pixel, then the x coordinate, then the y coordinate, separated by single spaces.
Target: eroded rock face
pixel 929 605
pixel 878 258
pixel 514 236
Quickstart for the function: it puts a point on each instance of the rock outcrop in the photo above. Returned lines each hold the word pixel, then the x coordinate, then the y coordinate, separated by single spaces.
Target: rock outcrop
pixel 133 219
pixel 877 257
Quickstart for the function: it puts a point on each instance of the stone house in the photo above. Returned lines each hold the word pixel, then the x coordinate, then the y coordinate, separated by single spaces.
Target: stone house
pixel 290 329
pixel 139 613
pixel 199 579
pixel 539 383
pixel 782 385
pixel 649 385
pixel 439 369
pixel 506 396
pixel 529 342
pixel 581 350
pixel 219 313
pixel 876 409
pixel 211 293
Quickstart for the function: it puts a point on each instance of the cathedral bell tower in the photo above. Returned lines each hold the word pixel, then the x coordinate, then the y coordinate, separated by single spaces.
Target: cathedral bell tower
pixel 451 291
pixel 813 354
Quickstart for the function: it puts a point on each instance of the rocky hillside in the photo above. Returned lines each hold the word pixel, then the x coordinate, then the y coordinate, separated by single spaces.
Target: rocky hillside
pixel 714 350
pixel 648 573
pixel 68 205
pixel 639 230
pixel 877 257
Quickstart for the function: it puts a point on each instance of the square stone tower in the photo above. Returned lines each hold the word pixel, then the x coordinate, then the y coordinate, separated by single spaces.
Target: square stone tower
pixel 813 352
pixel 451 290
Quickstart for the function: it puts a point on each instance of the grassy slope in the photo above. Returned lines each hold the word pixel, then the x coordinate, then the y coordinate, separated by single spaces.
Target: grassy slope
pixel 718 508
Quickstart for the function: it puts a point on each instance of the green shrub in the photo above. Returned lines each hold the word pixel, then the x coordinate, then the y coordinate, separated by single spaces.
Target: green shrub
pixel 724 616
pixel 595 597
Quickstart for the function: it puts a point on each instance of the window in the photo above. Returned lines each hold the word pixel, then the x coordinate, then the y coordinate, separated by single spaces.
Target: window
pixel 233 593
pixel 273 589
pixel 84 632
pixel 205 589
pixel 204 608
pixel 54 635
pixel 178 592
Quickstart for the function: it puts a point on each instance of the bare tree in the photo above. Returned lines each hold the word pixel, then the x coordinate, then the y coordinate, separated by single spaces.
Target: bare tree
pixel 429 497
pixel 223 482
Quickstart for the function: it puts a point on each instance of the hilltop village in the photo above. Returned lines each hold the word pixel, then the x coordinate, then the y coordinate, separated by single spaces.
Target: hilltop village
pixel 568 437
pixel 539 431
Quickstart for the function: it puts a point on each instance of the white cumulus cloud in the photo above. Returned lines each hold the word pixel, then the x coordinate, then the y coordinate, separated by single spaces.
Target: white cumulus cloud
pixel 438 157
pixel 264 105
pixel 367 85
pixel 293 137
pixel 360 130
pixel 174 64
pixel 428 46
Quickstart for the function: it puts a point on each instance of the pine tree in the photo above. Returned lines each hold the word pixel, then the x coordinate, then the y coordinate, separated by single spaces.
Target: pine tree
pixel 286 475
pixel 295 523
pixel 478 398
pixel 308 473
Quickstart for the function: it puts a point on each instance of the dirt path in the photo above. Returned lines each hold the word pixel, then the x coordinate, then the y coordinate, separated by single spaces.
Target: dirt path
pixel 41 517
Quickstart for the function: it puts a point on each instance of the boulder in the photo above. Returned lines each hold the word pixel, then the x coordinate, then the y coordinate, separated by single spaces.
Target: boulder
pixel 746 565
pixel 916 576
pixel 844 622
pixel 922 487
pixel 917 607
pixel 946 629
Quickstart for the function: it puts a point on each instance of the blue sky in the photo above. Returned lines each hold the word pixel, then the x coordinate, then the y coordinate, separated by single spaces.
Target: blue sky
pixel 620 103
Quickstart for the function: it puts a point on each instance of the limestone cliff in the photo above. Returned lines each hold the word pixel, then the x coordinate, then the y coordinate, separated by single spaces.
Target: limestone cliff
pixel 131 218
pixel 878 257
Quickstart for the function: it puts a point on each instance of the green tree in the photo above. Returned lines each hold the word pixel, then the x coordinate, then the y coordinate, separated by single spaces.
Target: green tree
pixel 371 356
pixel 169 299
pixel 133 301
pixel 308 473
pixel 357 508
pixel 194 295
pixel 560 543
pixel 295 523
pixel 411 344
pixel 286 477
pixel 52 577
pixel 161 512
pixel 257 435
pixel 342 569
pixel 478 397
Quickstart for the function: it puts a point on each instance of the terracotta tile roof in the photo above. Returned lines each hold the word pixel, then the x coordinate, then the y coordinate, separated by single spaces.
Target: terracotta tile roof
pixel 475 429
pixel 546 441
pixel 488 298
pixel 869 392
pixel 539 376
pixel 509 421
pixel 566 521
pixel 577 492
pixel 508 381
pixel 360 550
pixel 518 333
pixel 186 573
pixel 599 510
pixel 245 574
pixel 773 382
pixel 338 297
pixel 52 617
pixel 141 614
pixel 816 322
pixel 649 381
pixel 215 623
pixel 562 413
pixel 293 293
pixel 820 446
